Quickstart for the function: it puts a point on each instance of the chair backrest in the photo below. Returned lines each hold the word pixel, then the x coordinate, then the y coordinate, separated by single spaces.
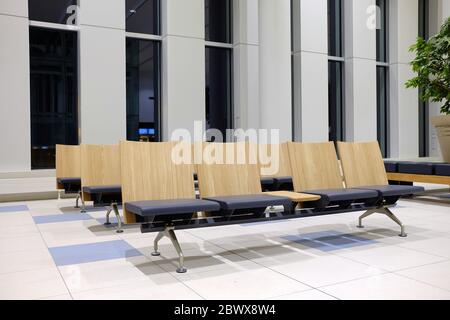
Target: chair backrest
pixel 362 164
pixel 100 165
pixel 314 166
pixel 284 163
pixel 149 173
pixel 67 161
pixel 228 179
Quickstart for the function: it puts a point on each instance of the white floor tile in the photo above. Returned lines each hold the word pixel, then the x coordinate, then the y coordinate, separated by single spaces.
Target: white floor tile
pixel 386 287
pixel 25 260
pixel 59 297
pixel 437 246
pixel 22 243
pixel 306 295
pixel 35 284
pixel 434 274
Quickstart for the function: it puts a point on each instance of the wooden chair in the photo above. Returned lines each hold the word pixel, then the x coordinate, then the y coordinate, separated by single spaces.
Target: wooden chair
pixel 363 167
pixel 282 179
pixel 68 171
pixel 101 178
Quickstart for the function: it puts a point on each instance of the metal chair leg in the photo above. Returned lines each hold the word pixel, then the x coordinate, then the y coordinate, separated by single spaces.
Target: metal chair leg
pixel 171 234
pixel 83 204
pixel 156 253
pixel 119 221
pixel 76 201
pixel 107 223
pixel 365 215
pixel 394 218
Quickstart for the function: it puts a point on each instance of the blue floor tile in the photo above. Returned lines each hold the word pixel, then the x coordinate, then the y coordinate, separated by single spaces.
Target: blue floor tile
pixel 92 252
pixel 330 240
pixel 13 208
pixel 61 218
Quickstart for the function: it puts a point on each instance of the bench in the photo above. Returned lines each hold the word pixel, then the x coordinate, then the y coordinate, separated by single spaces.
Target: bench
pixel 400 172
pixel 68 172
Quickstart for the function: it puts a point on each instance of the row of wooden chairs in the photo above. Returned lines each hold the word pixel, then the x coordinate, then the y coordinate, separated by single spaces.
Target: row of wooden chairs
pixel 160 194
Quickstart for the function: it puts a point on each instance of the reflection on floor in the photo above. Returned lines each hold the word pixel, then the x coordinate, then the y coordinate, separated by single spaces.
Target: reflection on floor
pixel 48 250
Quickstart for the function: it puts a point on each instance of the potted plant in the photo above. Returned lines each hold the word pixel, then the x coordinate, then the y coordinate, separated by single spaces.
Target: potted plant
pixel 432 65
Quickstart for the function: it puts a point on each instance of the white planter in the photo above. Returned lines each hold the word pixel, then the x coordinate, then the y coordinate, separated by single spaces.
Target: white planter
pixel 442 124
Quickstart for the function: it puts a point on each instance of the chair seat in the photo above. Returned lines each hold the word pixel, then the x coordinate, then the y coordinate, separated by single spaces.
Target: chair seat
pixel 395 190
pixel 163 207
pixel 442 169
pixel 69 180
pixel 391 166
pixel 424 168
pixel 282 180
pixel 337 195
pixel 267 181
pixel 102 189
pixel 250 201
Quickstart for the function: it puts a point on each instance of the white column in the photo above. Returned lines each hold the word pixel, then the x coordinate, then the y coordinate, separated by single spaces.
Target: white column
pixel 360 72
pixel 404 114
pixel 246 64
pixel 275 66
pixel 15 137
pixel 102 73
pixel 183 69
pixel 310 70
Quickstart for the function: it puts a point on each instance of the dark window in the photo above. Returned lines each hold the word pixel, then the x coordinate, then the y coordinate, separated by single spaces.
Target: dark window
pixel 143 89
pixel 54 93
pixel 218 20
pixel 142 16
pixel 335 38
pixel 55 11
pixel 383 110
pixel 218 89
pixel 382 27
pixel 423 105
pixel 336 100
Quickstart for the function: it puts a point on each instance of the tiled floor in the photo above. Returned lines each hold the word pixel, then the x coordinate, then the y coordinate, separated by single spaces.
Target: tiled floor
pixel 48 250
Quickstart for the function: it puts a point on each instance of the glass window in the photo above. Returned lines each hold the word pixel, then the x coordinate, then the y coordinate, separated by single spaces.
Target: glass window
pixel 218 89
pixel 423 105
pixel 143 93
pixel 55 11
pixel 142 16
pixel 335 37
pixel 54 93
pixel 218 20
pixel 383 110
pixel 381 32
pixel 336 100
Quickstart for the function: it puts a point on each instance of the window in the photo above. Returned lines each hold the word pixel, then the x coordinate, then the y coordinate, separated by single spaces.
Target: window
pixel 143 92
pixel 54 11
pixel 218 21
pixel 142 16
pixel 382 78
pixel 218 68
pixel 54 93
pixel 423 105
pixel 336 106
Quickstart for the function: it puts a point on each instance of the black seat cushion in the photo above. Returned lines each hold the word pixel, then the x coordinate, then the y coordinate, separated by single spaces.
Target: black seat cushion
pixel 69 180
pixel 267 181
pixel 442 169
pixel 102 189
pixel 283 180
pixel 250 201
pixel 395 190
pixel 165 207
pixel 415 168
pixel 391 166
pixel 337 195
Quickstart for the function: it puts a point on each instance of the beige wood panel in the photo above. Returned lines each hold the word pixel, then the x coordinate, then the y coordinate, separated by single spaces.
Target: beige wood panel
pixel 67 162
pixel 100 165
pixel 362 164
pixel 406 177
pixel 314 166
pixel 228 178
pixel 148 173
pixel 294 196
pixel 284 167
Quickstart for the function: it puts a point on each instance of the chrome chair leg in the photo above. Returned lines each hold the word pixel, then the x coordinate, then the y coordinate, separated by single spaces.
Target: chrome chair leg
pixel 365 215
pixel 176 244
pixel 119 221
pixel 156 253
pixel 107 223
pixel 77 199
pixel 394 218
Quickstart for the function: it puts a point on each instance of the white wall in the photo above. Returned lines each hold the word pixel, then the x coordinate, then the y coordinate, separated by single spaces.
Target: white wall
pixel 183 69
pixel 360 72
pixel 275 66
pixel 102 71
pixel 310 70
pixel 15 153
